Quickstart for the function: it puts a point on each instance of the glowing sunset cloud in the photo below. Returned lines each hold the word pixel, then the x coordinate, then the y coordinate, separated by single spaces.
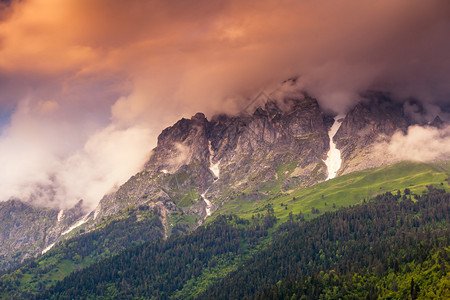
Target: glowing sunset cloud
pixel 86 85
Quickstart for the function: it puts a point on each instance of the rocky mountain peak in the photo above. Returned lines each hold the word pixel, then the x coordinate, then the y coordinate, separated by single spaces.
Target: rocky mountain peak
pixel 199 117
pixel 181 144
pixel 198 164
pixel 26 230
pixel 376 114
pixel 373 120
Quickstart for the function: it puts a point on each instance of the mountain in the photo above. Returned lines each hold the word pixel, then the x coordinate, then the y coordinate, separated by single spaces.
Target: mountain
pixel 272 162
pixel 369 123
pixel 201 166
pixel 198 164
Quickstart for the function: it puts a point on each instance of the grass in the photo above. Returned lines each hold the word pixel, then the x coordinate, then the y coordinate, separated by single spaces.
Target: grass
pixel 53 270
pixel 187 199
pixel 343 191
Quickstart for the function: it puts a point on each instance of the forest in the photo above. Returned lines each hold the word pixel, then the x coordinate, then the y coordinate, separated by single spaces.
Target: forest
pixel 389 247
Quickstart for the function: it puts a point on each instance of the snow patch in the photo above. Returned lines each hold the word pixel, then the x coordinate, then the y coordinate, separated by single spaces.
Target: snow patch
pixel 60 215
pixel 334 160
pixel 77 224
pixel 97 211
pixel 48 248
pixel 164 171
pixel 208 204
pixel 213 167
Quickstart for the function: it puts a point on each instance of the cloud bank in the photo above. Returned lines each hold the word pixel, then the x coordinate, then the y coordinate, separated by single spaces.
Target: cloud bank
pixel 40 164
pixel 421 144
pixel 86 85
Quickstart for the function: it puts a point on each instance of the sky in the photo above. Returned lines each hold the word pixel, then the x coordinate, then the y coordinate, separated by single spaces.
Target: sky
pixel 87 85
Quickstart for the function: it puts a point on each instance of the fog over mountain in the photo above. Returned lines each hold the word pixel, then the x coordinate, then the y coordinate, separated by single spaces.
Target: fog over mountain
pixel 86 86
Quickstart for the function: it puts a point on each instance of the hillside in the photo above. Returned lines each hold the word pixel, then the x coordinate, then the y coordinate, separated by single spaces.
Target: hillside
pixel 110 238
pixel 114 236
pixel 385 248
pixel 352 252
pixel 342 191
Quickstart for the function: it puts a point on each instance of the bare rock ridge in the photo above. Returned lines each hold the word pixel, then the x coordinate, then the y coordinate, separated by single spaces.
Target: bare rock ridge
pixel 368 123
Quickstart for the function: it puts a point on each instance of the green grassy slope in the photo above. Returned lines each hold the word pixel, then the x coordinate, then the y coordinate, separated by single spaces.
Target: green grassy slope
pixel 342 191
pixel 388 248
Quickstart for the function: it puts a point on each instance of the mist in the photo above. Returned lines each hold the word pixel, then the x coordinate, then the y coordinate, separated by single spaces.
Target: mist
pixel 421 143
pixel 41 166
pixel 88 85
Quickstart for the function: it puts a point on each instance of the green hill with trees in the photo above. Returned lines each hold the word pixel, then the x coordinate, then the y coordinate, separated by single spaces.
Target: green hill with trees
pixel 388 248
pixel 125 245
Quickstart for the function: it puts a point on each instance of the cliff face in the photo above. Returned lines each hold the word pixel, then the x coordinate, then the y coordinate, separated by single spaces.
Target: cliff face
pixel 369 123
pixel 253 151
pixel 199 164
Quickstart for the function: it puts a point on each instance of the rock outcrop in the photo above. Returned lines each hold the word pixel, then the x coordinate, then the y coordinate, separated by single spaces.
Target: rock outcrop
pixel 200 164
pixel 27 230
pixel 371 122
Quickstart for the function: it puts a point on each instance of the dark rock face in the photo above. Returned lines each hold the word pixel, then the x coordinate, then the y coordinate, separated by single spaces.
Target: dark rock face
pixel 251 148
pixel 246 151
pixel 181 144
pixel 372 121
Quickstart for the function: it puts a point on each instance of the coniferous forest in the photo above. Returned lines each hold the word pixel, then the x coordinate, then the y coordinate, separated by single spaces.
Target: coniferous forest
pixel 390 247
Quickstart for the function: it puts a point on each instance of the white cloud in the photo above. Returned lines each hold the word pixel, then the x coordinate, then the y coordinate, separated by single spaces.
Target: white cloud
pixel 38 166
pixel 421 144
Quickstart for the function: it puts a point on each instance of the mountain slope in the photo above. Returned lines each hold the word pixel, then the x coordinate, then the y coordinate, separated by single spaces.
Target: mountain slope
pixel 349 253
pixel 342 191
pixel 105 241
pixel 343 253
pixel 114 236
